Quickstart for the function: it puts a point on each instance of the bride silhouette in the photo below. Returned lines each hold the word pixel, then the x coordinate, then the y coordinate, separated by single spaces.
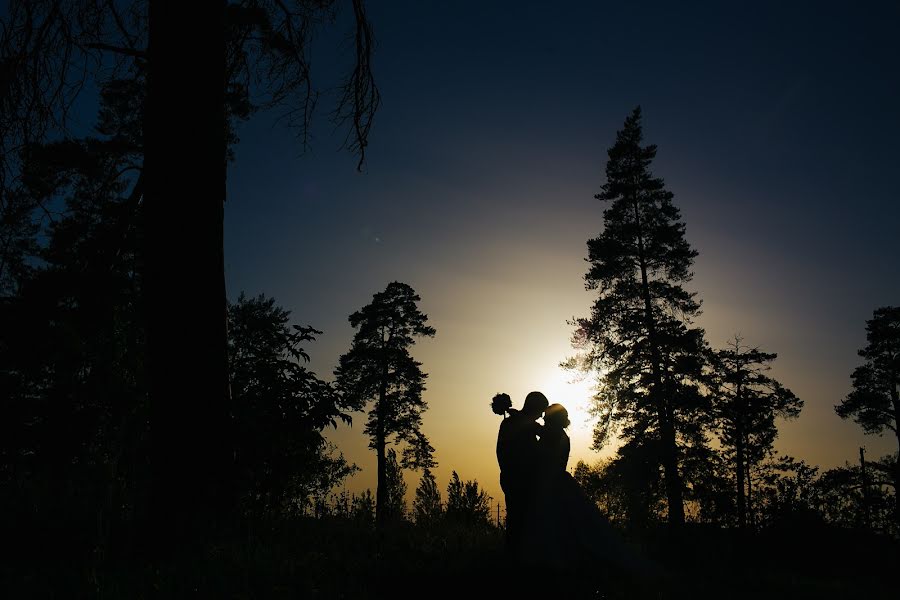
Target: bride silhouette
pixel 561 528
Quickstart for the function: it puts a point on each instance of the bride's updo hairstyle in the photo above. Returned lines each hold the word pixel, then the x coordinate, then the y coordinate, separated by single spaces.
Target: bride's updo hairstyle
pixel 501 403
pixel 556 416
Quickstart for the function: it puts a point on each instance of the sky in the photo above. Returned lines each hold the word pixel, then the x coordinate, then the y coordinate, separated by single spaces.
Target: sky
pixel 777 128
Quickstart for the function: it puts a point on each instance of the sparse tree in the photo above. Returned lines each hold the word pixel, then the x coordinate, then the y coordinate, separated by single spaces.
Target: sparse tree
pixel 874 402
pixel 379 369
pixel 746 402
pixel 639 336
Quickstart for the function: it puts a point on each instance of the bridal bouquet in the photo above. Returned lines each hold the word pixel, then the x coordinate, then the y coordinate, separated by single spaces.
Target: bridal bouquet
pixel 501 403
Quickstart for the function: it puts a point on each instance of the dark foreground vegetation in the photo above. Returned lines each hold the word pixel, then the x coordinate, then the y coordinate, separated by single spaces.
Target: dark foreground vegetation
pixel 339 557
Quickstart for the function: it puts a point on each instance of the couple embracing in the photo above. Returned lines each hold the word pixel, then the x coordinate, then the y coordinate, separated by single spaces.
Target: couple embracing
pixel 550 522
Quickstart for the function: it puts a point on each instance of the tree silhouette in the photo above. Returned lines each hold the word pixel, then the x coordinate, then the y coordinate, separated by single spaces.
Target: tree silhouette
pixel 74 436
pixel 394 492
pixel 379 369
pixel 639 334
pixel 281 409
pixel 786 490
pixel 874 402
pixel 198 69
pixel 427 506
pixel 847 498
pixel 746 403
pixel 467 503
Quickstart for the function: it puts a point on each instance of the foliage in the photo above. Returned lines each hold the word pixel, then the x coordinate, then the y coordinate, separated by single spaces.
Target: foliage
pixel 467 503
pixel 74 437
pixel 710 496
pixel 427 506
pixel 74 433
pixel 874 402
pixel 845 496
pixel 207 69
pixel 627 488
pixel 784 489
pixel 280 408
pixel 394 498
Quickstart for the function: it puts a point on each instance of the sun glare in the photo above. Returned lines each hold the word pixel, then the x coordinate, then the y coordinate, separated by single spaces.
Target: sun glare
pixel 573 391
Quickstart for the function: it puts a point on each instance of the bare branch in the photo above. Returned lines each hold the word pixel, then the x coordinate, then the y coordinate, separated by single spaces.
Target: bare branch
pixel 141 54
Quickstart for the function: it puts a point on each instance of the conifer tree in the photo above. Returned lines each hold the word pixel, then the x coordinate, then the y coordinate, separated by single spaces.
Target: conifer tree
pixel 874 402
pixel 394 493
pixel 427 506
pixel 639 337
pixel 379 369
pixel 467 502
pixel 746 403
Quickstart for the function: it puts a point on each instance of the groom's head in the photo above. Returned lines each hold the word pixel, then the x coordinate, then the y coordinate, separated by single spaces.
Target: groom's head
pixel 535 405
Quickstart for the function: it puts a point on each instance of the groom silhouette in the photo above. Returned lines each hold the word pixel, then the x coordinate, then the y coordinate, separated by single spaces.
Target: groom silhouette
pixel 517 454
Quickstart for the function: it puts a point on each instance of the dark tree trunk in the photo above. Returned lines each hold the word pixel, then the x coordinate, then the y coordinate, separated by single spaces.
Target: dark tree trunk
pixel 895 401
pixel 739 458
pixel 668 443
pixel 380 445
pixel 864 488
pixel 184 173
pixel 751 517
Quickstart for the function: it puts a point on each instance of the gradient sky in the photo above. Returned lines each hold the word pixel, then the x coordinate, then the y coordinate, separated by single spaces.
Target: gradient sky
pixel 777 126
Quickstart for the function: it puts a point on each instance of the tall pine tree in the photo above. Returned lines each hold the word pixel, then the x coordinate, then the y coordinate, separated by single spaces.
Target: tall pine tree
pixel 639 337
pixel 379 369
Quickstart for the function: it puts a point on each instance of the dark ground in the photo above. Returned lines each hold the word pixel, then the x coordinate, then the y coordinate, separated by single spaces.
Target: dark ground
pixel 339 558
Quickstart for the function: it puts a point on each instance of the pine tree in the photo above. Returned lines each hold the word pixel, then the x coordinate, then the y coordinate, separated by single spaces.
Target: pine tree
pixel 874 402
pixel 639 336
pixel 746 403
pixel 394 493
pixel 379 369
pixel 467 502
pixel 427 507
pixel 362 507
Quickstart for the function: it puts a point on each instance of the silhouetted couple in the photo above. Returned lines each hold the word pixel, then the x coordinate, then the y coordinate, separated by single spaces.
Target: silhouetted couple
pixel 550 521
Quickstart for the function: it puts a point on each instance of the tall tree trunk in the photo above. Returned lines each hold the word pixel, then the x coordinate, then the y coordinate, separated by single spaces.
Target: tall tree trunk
pixel 739 457
pixel 864 488
pixel 895 400
pixel 751 518
pixel 184 173
pixel 669 447
pixel 380 444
